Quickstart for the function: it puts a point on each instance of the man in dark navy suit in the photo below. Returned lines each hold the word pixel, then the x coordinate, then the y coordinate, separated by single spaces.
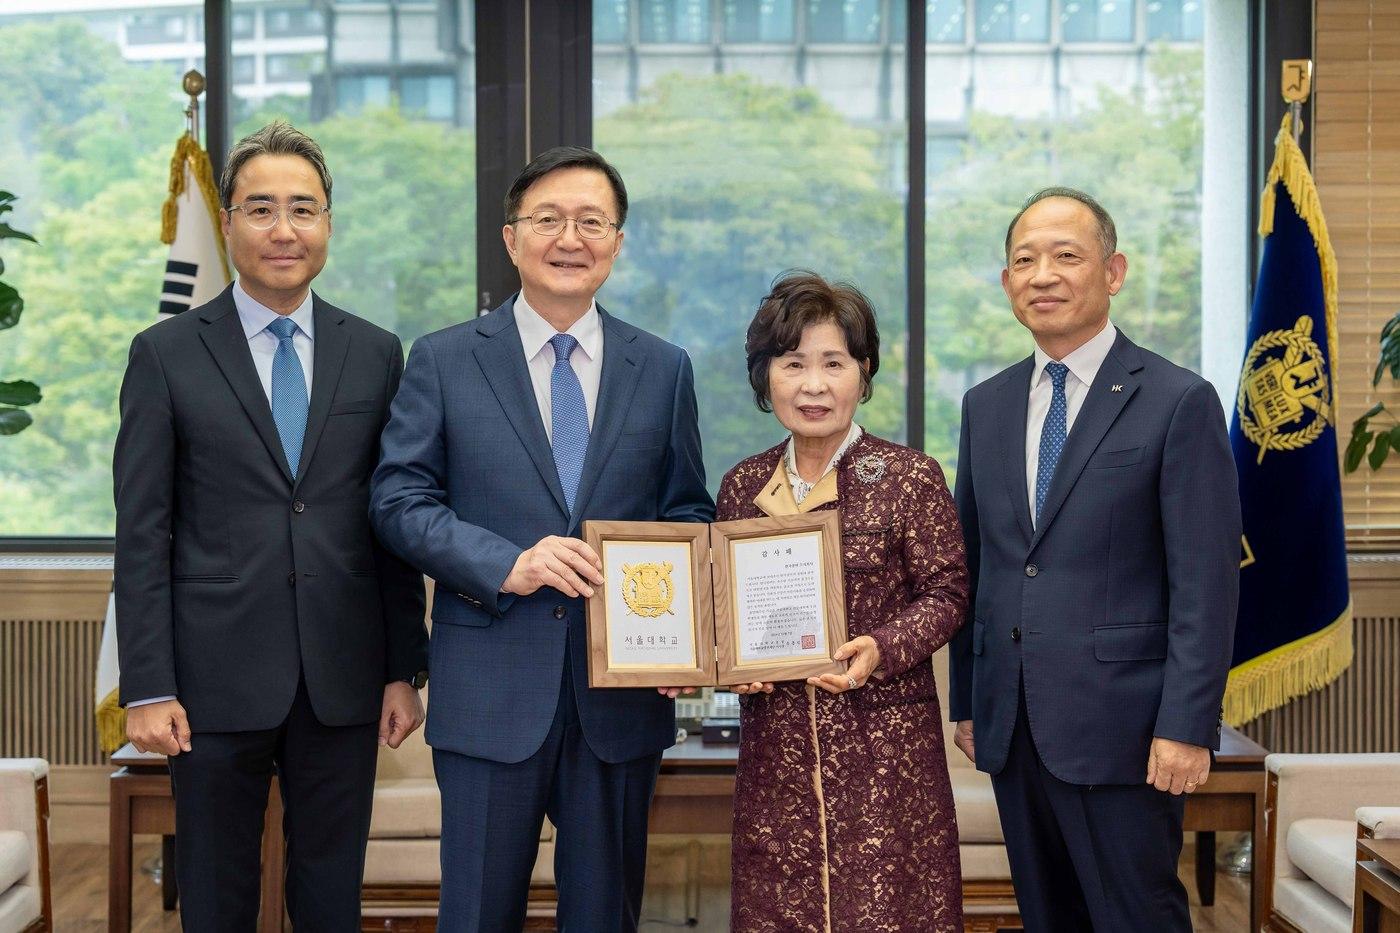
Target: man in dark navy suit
pixel 508 432
pixel 261 627
pixel 1099 506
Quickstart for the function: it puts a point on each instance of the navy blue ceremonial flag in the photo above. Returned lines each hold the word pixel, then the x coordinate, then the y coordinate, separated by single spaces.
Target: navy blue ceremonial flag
pixel 1294 631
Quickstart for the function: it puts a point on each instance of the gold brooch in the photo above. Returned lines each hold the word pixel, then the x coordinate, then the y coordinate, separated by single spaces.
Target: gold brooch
pixel 870 468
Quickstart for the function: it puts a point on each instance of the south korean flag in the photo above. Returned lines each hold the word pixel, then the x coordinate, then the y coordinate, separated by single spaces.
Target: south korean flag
pixel 196 271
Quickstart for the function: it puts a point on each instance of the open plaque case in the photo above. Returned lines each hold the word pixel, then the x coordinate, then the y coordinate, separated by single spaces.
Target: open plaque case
pixel 692 605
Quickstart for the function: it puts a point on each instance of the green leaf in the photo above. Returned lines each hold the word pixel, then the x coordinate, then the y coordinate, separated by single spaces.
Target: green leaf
pixel 1358 427
pixel 1395 437
pixel 13 421
pixel 2 265
pixel 1380 451
pixel 1375 409
pixel 10 233
pixel 20 392
pixel 1356 449
pixel 11 304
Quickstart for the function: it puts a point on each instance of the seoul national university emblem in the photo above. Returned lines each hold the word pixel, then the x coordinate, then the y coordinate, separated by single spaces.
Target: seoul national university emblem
pixel 1285 390
pixel 647 588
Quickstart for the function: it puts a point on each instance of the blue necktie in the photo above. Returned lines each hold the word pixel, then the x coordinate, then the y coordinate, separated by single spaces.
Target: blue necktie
pixel 1052 435
pixel 568 418
pixel 289 401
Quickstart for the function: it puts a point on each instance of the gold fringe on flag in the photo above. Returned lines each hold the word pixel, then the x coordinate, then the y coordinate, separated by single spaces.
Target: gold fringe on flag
pixel 111 724
pixel 185 149
pixel 1289 671
pixel 1291 167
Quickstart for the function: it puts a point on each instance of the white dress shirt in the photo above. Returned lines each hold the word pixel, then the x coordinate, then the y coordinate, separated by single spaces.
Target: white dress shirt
pixel 586 360
pixel 1083 364
pixel 262 343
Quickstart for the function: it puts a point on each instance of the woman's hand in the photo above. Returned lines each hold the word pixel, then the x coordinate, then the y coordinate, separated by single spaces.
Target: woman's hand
pixel 757 686
pixel 674 692
pixel 864 653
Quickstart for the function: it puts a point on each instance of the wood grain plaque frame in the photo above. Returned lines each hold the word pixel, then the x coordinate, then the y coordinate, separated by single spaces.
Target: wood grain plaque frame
pixel 696 537
pixel 716 660
pixel 731 668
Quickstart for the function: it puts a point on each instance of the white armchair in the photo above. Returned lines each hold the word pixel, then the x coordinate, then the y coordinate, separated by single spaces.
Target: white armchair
pixel 1316 807
pixel 25 901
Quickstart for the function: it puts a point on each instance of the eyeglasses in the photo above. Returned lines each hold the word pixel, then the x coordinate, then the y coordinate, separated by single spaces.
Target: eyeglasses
pixel 552 223
pixel 264 215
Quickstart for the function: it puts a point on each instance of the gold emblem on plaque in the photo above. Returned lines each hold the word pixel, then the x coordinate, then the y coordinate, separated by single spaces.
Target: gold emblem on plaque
pixel 1285 390
pixel 647 589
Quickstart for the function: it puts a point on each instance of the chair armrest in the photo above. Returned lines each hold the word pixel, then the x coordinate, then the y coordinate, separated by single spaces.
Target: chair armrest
pixel 1378 822
pixel 1330 786
pixel 24 806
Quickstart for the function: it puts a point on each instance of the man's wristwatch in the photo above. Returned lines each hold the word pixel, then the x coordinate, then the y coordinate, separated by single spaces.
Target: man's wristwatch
pixel 418 681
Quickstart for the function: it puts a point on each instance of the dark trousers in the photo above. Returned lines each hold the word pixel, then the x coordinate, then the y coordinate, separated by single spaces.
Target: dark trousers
pixel 491 818
pixel 326 775
pixel 1096 858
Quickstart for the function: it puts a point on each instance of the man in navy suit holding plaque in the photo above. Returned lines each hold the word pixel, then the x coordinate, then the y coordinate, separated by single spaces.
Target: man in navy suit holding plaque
pixel 508 432
pixel 1098 499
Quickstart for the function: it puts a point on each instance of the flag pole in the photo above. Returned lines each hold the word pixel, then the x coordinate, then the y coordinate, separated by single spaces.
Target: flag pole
pixel 193 83
pixel 1297 87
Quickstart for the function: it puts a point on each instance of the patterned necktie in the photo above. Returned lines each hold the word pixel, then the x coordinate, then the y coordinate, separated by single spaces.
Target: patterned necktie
pixel 568 418
pixel 289 401
pixel 1052 435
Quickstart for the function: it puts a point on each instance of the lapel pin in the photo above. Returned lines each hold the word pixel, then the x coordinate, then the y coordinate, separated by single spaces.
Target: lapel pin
pixel 1116 388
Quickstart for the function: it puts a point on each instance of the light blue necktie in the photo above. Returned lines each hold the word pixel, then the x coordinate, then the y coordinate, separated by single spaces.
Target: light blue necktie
pixel 1052 435
pixel 289 401
pixel 568 418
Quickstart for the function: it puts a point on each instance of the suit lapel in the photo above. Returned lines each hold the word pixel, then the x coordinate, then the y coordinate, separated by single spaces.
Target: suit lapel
pixel 502 361
pixel 328 361
pixel 622 364
pixel 227 343
pixel 1101 408
pixel 1013 402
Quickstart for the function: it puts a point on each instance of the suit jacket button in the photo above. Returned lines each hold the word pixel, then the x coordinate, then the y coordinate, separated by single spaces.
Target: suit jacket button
pixel 298 506
pixel 1016 633
pixel 560 612
pixel 1032 570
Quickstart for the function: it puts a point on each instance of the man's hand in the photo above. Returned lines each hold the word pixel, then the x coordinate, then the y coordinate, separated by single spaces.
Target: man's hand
pixel 158 727
pixel 401 714
pixel 864 653
pixel 1175 766
pixel 567 564
pixel 673 692
pixel 962 738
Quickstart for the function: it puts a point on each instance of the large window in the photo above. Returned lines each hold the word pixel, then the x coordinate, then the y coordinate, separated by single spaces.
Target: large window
pixel 1123 123
pixel 90 109
pixel 742 161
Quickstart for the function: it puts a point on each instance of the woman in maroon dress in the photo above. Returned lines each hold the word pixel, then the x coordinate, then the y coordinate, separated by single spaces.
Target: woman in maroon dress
pixel 843 813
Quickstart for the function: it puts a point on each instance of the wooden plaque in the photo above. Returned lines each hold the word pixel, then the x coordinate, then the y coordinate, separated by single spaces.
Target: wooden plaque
pixel 754 564
pixel 657 587
pixel 690 605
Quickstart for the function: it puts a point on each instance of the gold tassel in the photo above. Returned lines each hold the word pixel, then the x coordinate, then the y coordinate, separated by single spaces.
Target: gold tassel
pixel 1273 679
pixel 188 149
pixel 111 724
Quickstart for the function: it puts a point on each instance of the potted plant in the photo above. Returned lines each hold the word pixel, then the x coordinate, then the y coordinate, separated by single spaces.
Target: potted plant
pixel 1381 440
pixel 16 394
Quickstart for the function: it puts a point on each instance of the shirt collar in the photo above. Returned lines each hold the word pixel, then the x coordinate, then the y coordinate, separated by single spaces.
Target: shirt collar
pixel 535 331
pixel 800 487
pixel 255 316
pixel 1084 361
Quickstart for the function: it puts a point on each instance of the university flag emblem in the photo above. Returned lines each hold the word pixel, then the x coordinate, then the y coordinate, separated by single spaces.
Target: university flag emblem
pixel 1294 631
pixel 196 272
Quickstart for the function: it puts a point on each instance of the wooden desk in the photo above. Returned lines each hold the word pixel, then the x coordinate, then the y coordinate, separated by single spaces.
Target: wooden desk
pixel 1377 886
pixel 141 803
pixel 695 794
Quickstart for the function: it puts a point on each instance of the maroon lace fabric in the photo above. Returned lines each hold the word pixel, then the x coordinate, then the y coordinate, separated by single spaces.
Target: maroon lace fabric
pixel 843 812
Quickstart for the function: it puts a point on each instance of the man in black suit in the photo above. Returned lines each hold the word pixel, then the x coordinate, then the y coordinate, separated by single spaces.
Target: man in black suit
pixel 261 627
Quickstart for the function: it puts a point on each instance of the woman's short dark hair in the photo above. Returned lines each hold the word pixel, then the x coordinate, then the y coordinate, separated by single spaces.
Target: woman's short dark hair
pixel 797 300
pixel 552 160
